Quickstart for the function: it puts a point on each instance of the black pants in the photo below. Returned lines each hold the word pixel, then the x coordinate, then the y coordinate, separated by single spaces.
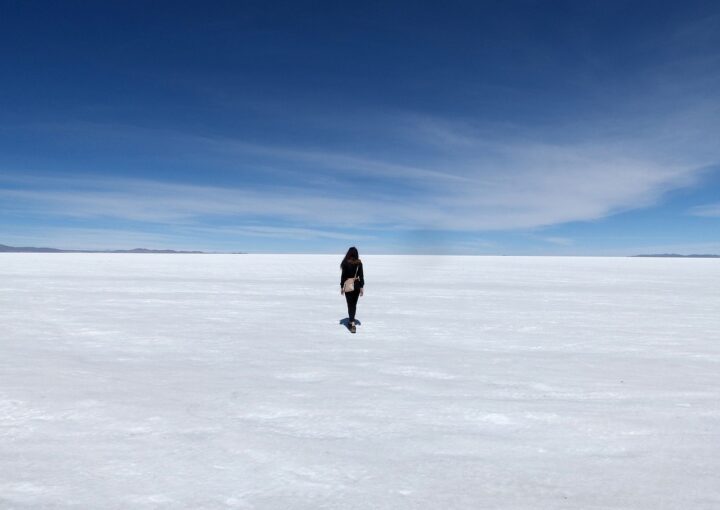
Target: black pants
pixel 352 299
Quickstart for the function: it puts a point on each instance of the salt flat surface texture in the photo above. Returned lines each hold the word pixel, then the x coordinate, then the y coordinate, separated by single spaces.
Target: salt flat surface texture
pixel 226 381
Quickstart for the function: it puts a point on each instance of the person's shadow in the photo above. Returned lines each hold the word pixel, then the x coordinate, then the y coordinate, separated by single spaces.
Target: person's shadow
pixel 346 322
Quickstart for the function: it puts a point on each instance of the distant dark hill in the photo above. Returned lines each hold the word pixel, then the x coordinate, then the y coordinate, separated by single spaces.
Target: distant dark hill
pixel 13 249
pixel 675 255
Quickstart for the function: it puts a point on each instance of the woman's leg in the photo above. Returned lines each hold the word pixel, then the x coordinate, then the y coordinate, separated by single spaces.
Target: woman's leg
pixel 352 299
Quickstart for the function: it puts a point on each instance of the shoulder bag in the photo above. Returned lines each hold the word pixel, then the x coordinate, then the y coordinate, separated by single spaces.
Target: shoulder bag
pixel 349 284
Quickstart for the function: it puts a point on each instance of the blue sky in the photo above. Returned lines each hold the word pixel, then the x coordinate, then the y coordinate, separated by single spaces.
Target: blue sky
pixel 515 127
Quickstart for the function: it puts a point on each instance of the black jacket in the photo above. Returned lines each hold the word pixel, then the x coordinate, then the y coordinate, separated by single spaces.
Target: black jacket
pixel 348 271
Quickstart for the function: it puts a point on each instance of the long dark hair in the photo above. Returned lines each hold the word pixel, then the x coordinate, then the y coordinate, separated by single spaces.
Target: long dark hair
pixel 351 257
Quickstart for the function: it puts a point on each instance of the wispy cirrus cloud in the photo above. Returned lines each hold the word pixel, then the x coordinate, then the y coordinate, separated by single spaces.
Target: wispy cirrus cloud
pixel 488 185
pixel 450 175
pixel 547 192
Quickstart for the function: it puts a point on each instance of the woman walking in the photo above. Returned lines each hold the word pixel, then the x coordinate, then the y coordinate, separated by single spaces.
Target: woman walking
pixel 352 282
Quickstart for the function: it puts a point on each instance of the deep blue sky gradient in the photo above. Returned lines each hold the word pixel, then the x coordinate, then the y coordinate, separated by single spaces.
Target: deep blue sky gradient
pixel 517 127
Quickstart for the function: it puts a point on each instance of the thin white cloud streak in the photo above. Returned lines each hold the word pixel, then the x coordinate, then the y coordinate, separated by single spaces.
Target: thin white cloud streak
pixel 338 162
pixel 154 202
pixel 707 210
pixel 559 241
pixel 708 248
pixel 178 237
pixel 299 234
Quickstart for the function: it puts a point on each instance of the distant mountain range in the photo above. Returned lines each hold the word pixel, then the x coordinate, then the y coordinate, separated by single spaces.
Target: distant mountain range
pixel 675 255
pixel 26 249
pixel 13 249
